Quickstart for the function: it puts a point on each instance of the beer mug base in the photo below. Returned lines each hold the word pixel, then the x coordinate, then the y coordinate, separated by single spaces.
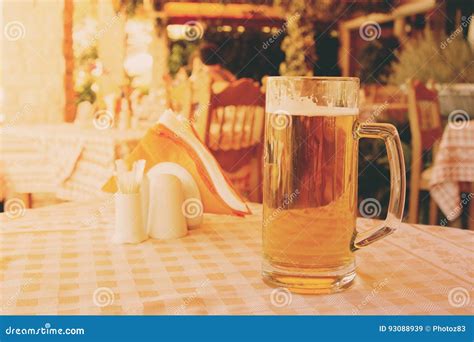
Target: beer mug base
pixel 318 281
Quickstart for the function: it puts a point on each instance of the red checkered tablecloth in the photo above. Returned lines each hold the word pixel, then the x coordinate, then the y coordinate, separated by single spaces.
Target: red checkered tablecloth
pixel 60 260
pixel 454 164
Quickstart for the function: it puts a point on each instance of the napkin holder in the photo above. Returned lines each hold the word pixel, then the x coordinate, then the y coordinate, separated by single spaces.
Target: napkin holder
pixel 164 217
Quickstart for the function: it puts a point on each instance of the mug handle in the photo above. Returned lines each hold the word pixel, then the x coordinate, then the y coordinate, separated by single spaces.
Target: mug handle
pixel 390 136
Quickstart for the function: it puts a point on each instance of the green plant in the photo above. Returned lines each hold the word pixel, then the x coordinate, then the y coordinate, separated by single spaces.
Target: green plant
pixel 434 57
pixel 85 92
pixel 179 55
pixel 298 44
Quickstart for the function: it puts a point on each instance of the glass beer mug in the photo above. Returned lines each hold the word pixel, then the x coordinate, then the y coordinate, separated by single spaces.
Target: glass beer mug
pixel 310 182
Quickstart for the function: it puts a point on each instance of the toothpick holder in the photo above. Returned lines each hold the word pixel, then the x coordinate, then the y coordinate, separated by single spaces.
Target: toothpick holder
pixel 129 226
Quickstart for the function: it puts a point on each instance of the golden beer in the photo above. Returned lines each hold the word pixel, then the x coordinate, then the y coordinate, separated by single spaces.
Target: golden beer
pixel 310 184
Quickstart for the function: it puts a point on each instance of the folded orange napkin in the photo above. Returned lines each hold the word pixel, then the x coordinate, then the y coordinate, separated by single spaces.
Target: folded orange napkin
pixel 172 139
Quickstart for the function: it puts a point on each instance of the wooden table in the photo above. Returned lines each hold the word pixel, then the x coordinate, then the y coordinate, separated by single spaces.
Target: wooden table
pixel 64 159
pixel 60 260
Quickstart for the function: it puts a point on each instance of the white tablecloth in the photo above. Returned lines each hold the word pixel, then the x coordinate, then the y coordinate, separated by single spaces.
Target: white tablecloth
pixel 64 159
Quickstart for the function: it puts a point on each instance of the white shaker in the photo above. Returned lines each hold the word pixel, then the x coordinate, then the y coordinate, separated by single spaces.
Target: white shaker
pixel 165 215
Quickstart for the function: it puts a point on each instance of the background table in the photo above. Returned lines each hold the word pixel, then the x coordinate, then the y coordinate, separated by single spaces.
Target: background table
pixel 453 165
pixel 59 260
pixel 64 159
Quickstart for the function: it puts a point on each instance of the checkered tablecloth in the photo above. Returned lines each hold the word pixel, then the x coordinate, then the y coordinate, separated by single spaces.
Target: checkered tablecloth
pixel 60 260
pixel 454 163
pixel 64 159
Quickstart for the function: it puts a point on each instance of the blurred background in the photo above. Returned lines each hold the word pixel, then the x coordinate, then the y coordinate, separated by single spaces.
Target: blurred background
pixel 82 80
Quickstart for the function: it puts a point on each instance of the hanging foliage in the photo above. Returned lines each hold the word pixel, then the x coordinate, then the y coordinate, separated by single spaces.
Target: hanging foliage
pixel 434 57
pixel 298 44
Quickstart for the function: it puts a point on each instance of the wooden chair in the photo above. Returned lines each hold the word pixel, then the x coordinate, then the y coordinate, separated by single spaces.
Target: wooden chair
pixel 392 99
pixel 234 133
pixel 376 93
pixel 426 131
pixel 200 101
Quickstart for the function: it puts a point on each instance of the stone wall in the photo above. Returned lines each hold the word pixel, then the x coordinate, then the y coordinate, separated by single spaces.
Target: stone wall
pixel 32 65
pixel 32 61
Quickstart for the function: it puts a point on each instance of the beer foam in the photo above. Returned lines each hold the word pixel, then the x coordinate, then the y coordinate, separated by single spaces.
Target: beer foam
pixel 307 107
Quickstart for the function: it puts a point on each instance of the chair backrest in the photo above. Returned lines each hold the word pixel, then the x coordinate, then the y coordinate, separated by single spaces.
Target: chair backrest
pixel 201 95
pixel 375 93
pixel 424 115
pixel 235 116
